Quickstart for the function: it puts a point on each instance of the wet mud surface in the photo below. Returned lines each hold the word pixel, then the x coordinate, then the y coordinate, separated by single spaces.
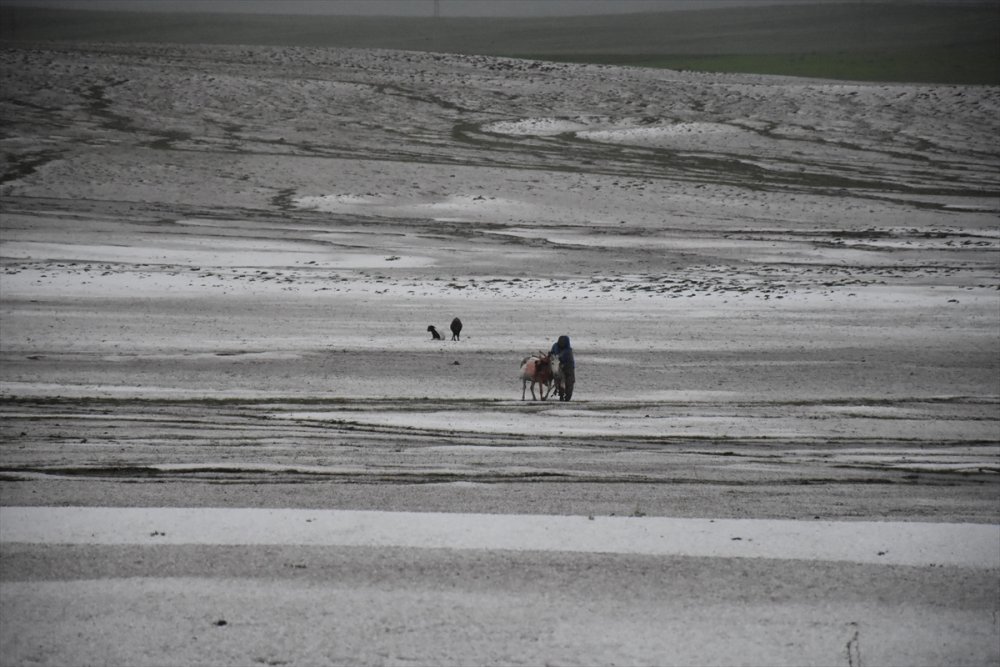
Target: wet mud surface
pixel 217 270
pixel 772 284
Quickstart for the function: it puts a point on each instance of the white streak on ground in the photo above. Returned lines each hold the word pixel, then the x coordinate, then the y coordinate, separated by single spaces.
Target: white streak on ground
pixel 875 542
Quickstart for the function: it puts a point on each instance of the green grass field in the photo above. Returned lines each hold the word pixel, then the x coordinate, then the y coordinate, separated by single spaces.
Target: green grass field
pixel 960 64
pixel 874 41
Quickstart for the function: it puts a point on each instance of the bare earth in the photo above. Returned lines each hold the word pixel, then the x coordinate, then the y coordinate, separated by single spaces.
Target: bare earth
pixel 219 264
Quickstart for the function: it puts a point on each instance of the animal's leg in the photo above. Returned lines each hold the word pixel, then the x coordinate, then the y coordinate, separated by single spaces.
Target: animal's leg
pixel 524 386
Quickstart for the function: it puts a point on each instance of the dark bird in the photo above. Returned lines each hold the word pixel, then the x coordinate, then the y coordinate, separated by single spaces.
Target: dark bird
pixel 456 329
pixel 434 333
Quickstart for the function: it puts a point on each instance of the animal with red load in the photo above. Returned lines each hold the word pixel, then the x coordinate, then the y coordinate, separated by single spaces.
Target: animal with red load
pixel 538 368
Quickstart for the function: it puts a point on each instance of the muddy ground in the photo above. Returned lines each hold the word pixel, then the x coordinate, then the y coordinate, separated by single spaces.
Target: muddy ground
pixel 219 265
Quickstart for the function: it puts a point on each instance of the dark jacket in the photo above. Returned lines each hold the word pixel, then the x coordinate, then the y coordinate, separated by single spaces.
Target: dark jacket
pixel 562 349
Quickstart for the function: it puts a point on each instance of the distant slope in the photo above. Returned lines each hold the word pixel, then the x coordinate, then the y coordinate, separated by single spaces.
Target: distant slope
pixel 871 41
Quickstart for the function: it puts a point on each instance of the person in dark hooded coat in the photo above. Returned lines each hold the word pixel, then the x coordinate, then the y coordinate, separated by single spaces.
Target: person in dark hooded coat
pixel 567 366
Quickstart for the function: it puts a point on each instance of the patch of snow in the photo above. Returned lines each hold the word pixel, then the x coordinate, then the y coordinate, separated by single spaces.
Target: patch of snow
pixel 871 542
pixel 539 127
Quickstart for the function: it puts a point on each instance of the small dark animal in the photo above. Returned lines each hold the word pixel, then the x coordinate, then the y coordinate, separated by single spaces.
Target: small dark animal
pixel 434 333
pixel 456 329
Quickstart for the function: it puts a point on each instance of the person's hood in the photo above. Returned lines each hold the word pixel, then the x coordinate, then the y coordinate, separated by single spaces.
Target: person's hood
pixel 563 342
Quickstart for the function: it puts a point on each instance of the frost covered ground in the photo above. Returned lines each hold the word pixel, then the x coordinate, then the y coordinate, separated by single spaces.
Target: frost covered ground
pixel 219 265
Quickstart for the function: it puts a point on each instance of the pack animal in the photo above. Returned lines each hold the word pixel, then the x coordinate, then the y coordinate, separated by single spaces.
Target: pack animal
pixel 536 369
pixel 558 377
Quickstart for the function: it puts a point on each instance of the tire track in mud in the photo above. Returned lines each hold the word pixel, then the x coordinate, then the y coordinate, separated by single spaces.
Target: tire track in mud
pixel 25 164
pixel 101 106
pixel 712 165
pixel 251 441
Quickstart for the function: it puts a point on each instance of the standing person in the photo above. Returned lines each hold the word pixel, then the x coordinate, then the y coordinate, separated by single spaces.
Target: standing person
pixel 567 366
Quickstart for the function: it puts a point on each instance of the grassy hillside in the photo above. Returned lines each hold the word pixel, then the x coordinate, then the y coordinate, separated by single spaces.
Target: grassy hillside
pixel 869 41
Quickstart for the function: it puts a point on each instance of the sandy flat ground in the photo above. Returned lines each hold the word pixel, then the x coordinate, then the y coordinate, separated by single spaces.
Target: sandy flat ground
pixel 219 265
